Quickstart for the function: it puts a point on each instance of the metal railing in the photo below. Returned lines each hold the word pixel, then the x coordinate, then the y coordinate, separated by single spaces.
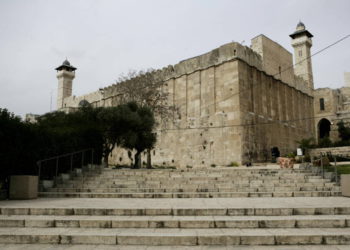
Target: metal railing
pixel 332 157
pixel 84 154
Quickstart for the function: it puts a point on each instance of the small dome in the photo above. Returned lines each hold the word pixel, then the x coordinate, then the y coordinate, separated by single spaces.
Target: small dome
pixel 66 63
pixel 66 66
pixel 300 26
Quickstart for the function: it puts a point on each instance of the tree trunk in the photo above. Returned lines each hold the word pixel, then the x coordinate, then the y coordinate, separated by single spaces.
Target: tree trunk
pixel 105 161
pixel 149 158
pixel 137 163
pixel 105 155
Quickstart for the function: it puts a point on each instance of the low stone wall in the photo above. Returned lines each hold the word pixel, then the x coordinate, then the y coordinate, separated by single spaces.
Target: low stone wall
pixel 23 187
pixel 345 185
pixel 344 151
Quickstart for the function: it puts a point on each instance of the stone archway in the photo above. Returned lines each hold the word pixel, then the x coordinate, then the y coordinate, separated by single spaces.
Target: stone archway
pixel 324 127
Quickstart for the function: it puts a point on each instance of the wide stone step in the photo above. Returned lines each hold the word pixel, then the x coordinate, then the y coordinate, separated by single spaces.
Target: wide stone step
pixel 76 221
pixel 199 177
pixel 233 174
pixel 225 184
pixel 205 170
pixel 180 183
pixel 117 184
pixel 144 247
pixel 165 210
pixel 181 190
pixel 141 236
pixel 191 183
pixel 190 195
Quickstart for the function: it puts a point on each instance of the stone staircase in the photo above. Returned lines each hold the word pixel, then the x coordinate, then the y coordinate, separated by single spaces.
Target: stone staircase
pixel 271 207
pixel 195 183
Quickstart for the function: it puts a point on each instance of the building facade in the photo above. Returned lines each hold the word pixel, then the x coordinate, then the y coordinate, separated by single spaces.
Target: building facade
pixel 332 106
pixel 234 103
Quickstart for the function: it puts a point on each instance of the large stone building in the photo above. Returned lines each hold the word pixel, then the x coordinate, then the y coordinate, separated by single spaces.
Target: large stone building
pixel 332 106
pixel 235 103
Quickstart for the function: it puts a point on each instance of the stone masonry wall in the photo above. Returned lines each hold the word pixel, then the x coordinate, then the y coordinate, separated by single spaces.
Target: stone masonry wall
pixel 331 107
pixel 214 107
pixel 341 151
pixel 272 113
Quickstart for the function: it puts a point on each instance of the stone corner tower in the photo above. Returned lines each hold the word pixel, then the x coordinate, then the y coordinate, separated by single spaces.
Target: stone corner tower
pixel 65 76
pixel 301 42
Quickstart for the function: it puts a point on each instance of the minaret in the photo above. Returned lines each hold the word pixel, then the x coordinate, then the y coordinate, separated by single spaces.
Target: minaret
pixel 65 76
pixel 301 42
pixel 346 79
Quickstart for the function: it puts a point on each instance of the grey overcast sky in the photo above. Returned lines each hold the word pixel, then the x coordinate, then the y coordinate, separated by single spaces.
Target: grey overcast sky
pixel 106 38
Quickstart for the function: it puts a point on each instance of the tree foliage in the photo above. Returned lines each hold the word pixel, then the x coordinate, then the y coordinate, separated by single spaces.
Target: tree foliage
pixel 16 141
pixel 140 135
pixel 147 89
pixel 306 144
pixel 23 144
pixel 344 132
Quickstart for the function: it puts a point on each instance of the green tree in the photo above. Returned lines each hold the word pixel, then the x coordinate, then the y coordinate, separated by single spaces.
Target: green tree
pixel 17 146
pixel 307 143
pixel 325 142
pixel 344 132
pixel 113 123
pixel 147 89
pixel 139 135
pixel 70 132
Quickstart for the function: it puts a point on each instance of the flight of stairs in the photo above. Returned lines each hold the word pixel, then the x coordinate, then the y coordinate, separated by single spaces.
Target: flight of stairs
pixel 196 183
pixel 270 207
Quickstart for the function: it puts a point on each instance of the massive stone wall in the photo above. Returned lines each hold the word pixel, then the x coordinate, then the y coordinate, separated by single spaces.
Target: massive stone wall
pixel 272 113
pixel 208 105
pixel 232 107
pixel 276 61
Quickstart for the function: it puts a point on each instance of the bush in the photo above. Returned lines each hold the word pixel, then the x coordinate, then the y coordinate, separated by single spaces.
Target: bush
pixel 344 132
pixel 307 158
pixel 341 143
pixel 233 164
pixel 291 155
pixel 325 143
pixel 325 162
pixel 213 165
